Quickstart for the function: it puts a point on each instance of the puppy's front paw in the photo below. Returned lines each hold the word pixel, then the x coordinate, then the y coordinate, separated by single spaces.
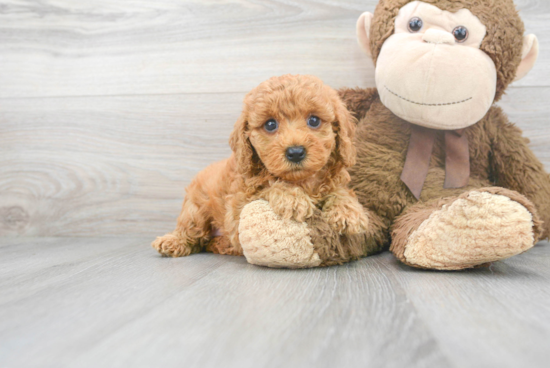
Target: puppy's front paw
pixel 292 204
pixel 170 245
pixel 348 218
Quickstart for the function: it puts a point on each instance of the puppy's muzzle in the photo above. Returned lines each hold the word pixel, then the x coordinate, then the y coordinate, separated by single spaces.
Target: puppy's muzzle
pixel 295 154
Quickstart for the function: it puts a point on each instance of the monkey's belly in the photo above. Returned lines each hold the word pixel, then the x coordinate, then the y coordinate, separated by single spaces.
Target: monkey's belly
pixel 435 181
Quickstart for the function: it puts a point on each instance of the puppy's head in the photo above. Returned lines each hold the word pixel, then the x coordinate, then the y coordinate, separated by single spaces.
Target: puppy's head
pixel 293 126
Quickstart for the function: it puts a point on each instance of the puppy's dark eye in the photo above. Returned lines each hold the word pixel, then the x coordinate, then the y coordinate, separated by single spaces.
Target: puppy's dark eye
pixel 313 122
pixel 461 33
pixel 415 24
pixel 271 125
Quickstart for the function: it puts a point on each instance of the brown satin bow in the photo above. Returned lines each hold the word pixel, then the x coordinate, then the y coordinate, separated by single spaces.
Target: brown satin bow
pixel 457 159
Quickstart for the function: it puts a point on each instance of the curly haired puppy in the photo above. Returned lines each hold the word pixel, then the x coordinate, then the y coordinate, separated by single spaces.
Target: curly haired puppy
pixel 291 147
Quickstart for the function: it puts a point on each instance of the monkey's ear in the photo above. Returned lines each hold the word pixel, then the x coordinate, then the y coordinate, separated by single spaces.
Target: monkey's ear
pixel 363 32
pixel 529 55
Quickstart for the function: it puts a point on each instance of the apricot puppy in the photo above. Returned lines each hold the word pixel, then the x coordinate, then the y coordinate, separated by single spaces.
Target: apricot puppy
pixel 291 147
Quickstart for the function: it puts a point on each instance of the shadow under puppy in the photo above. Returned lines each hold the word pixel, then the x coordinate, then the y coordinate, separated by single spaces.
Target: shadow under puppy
pixel 291 147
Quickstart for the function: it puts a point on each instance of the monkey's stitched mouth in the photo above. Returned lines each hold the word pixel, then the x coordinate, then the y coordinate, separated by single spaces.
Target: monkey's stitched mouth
pixel 425 104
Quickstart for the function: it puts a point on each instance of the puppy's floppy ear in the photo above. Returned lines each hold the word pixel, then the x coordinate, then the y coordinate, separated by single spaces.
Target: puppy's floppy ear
pixel 241 146
pixel 345 132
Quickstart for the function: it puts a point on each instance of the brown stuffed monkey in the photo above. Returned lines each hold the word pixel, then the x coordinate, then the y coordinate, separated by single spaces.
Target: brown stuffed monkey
pixel 447 181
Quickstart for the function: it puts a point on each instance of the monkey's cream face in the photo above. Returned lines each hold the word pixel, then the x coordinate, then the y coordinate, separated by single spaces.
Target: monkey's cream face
pixel 432 72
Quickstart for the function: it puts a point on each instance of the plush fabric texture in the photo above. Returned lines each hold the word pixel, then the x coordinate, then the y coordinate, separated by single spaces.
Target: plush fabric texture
pixel 500 160
pixel 268 240
pixel 503 42
pixel 335 248
pixel 429 79
pixel 474 229
pixel 530 53
pixel 419 154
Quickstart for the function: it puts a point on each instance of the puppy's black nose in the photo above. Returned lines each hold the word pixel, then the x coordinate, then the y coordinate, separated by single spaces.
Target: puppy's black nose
pixel 295 154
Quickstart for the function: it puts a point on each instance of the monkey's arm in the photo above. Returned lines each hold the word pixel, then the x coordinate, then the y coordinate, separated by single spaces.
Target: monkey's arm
pixel 378 206
pixel 358 100
pixel 515 166
pixel 377 237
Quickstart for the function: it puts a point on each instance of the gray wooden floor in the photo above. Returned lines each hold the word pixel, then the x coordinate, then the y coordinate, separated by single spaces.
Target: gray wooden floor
pixel 112 302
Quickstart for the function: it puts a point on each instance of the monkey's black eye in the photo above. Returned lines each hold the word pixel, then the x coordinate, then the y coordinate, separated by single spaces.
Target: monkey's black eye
pixel 313 122
pixel 415 24
pixel 461 33
pixel 271 125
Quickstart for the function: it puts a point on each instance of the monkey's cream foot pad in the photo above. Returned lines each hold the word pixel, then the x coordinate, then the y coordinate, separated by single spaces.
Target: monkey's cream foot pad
pixel 471 231
pixel 268 240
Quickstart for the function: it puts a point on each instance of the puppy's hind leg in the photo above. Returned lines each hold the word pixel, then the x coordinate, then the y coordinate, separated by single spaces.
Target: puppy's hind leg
pixel 191 235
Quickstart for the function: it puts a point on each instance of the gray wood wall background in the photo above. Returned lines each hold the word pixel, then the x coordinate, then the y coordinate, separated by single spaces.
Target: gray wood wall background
pixel 109 108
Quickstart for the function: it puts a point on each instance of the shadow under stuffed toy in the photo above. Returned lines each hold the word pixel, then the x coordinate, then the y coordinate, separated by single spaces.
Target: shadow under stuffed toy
pixel 447 181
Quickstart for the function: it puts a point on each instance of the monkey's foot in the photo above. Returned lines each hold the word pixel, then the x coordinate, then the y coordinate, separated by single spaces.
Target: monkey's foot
pixel 475 229
pixel 268 240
